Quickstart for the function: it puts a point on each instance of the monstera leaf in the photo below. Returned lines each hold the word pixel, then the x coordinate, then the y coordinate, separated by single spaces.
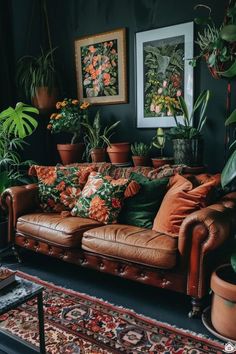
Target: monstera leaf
pixel 18 121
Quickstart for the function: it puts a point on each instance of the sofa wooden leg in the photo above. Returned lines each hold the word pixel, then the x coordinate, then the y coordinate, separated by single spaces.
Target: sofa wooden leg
pixel 196 308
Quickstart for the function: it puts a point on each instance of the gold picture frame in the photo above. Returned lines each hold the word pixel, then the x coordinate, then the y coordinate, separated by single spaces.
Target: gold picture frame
pixel 101 67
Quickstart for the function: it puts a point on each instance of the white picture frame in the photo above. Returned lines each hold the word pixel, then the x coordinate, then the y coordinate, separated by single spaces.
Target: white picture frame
pixel 157 52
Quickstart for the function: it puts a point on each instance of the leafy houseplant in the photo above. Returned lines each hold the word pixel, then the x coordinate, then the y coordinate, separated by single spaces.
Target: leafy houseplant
pixel 159 141
pixel 229 170
pixel 15 124
pixel 141 153
pixel 187 142
pixel 96 138
pixel 38 79
pixel 217 44
pixel 68 119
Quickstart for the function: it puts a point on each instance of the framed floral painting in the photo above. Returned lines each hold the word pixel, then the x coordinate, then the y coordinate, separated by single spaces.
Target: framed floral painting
pixel 101 67
pixel 163 74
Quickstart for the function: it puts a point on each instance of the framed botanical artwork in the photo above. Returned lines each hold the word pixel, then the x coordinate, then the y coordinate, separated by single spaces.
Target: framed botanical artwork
pixel 101 67
pixel 163 74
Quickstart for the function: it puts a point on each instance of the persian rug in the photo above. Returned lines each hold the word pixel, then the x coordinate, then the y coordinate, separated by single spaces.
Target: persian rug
pixel 76 323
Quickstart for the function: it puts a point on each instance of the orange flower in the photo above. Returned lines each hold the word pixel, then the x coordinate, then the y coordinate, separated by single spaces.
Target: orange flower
pixel 61 186
pixel 92 49
pixel 63 104
pixel 106 79
pixel 58 105
pixel 58 116
pixel 75 102
pixel 49 126
pixel 98 209
pixel 53 115
pixel 47 175
pixel 116 203
pixel 84 105
pixel 70 196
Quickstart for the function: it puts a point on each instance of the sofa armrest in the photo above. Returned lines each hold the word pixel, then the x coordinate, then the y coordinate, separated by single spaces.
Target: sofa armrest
pixel 17 201
pixel 202 232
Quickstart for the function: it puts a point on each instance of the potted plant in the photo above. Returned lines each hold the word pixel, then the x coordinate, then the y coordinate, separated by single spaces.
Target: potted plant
pixel 38 79
pixel 187 140
pixel 119 153
pixel 223 279
pixel 96 138
pixel 141 154
pixel 217 44
pixel 158 141
pixel 15 124
pixel 68 119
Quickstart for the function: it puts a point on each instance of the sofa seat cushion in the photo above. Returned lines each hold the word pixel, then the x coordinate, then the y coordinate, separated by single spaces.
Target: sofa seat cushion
pixel 52 228
pixel 132 243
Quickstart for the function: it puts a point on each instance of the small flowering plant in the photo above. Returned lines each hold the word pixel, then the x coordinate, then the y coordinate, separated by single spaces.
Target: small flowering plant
pixel 69 117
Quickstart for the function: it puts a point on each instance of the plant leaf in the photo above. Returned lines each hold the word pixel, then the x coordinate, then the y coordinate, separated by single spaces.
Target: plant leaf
pixel 231 119
pixel 233 261
pixel 229 72
pixel 228 33
pixel 229 170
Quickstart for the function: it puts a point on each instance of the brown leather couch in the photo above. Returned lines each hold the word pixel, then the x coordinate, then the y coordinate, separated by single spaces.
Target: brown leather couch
pixel 181 264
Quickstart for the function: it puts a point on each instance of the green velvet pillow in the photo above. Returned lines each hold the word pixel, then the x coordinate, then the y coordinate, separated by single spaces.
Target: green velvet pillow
pixel 141 209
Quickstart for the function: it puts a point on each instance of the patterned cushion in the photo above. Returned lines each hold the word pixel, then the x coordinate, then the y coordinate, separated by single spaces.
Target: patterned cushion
pixel 101 198
pixel 60 186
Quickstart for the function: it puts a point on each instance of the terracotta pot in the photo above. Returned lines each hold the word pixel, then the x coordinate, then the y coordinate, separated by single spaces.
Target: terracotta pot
pixel 223 308
pixel 141 160
pixel 161 161
pixel 44 100
pixel 98 154
pixel 70 153
pixel 119 152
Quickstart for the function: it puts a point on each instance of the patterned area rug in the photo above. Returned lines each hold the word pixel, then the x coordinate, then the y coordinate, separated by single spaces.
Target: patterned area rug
pixel 77 323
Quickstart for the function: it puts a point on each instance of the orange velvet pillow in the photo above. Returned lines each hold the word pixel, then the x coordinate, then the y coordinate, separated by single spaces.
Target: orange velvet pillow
pixel 181 200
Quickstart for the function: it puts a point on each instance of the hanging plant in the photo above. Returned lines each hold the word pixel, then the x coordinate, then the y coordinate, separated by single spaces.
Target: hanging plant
pixel 217 44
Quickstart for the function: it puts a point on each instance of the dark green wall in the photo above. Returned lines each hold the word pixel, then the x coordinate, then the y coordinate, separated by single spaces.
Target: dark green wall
pixel 74 18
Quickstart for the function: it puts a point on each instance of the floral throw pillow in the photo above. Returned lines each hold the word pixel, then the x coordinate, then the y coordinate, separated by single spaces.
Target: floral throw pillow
pixel 59 186
pixel 101 198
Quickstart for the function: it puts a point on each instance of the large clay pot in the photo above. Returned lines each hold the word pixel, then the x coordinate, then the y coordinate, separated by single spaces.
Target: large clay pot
pixel 119 152
pixel 45 100
pixel 70 153
pixel 223 308
pixel 161 161
pixel 98 155
pixel 141 160
pixel 188 151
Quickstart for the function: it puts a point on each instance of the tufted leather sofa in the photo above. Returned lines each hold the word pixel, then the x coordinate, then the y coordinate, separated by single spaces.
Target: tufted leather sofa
pixel 182 264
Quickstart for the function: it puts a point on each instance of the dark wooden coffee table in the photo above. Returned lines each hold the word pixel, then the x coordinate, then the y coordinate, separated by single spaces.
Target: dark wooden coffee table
pixel 18 293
